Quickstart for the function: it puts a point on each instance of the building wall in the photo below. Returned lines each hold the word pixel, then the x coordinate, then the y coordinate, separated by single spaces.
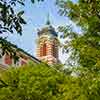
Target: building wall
pixel 51 49
pixel 6 60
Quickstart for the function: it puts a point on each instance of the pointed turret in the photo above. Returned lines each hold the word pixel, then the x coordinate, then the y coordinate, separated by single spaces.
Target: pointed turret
pixel 47 49
pixel 48 29
pixel 48 20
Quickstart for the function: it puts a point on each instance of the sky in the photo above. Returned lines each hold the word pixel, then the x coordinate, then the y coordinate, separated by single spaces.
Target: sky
pixel 36 16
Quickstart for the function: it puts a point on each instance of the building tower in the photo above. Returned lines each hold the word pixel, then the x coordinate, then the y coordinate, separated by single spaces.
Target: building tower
pixel 47 47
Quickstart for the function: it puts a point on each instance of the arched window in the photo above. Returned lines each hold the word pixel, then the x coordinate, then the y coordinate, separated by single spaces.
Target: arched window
pixel 55 51
pixel 8 59
pixel 44 49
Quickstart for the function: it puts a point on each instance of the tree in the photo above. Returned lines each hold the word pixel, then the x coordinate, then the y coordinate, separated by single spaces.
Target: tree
pixel 11 21
pixel 85 47
pixel 42 82
pixel 31 82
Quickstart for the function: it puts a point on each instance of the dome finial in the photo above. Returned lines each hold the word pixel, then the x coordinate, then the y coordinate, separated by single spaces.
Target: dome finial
pixel 48 19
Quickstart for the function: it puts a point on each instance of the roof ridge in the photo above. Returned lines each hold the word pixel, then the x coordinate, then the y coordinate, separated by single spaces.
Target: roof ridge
pixel 19 49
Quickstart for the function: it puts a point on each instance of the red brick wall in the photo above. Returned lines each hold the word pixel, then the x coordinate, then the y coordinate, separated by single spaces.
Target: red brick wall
pixel 23 62
pixel 46 49
pixel 8 60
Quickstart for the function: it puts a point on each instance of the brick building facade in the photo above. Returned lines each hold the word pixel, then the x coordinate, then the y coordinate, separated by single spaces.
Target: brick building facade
pixel 47 46
pixel 47 50
pixel 23 58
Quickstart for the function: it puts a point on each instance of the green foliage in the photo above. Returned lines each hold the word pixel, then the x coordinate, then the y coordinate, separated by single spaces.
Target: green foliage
pixel 85 47
pixel 8 49
pixel 84 13
pixel 31 82
pixel 11 21
pixel 89 50
pixel 33 1
pixel 42 82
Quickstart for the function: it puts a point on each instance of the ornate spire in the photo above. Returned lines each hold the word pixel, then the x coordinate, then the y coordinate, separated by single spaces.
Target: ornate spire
pixel 48 19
